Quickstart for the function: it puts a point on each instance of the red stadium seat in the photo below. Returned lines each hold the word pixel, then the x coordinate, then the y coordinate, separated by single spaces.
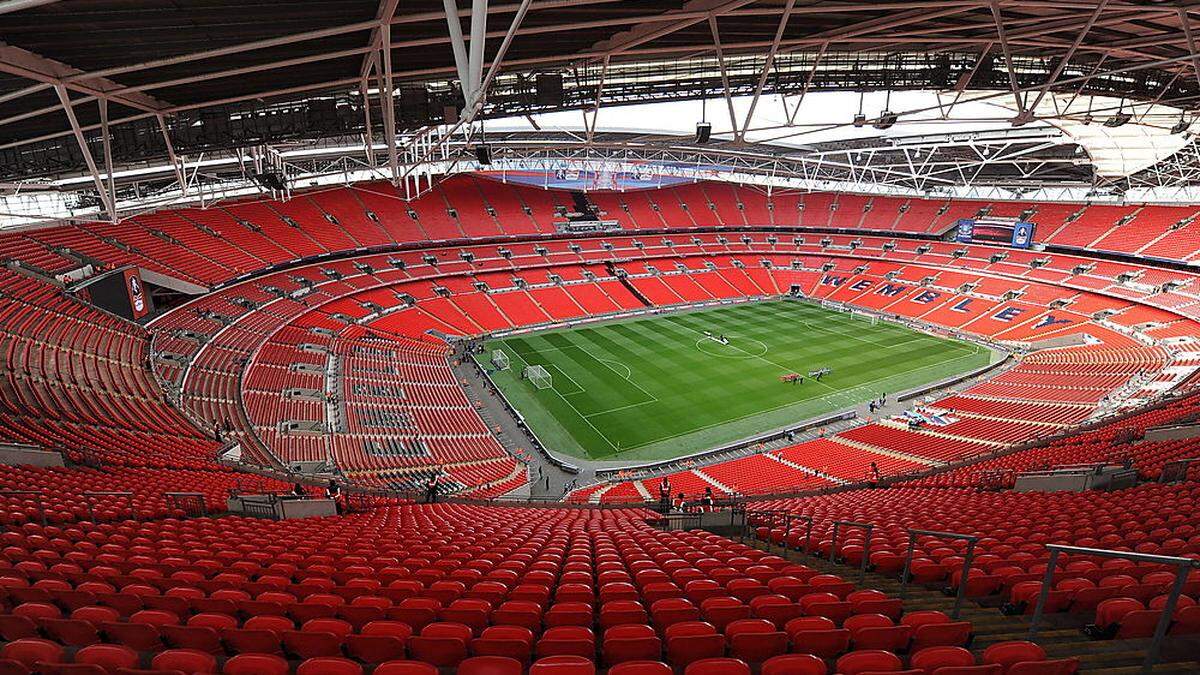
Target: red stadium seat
pixel 405 668
pixel 256 664
pixel 329 666
pixel 794 664
pixel 718 666
pixel 1015 651
pixel 869 661
pixel 490 665
pixel 187 661
pixel 108 657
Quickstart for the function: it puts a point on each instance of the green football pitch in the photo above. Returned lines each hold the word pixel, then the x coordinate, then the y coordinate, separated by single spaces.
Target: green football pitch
pixel 662 386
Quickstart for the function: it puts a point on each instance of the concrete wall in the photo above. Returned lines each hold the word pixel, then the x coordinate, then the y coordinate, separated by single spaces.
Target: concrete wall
pixel 1175 433
pixel 13 454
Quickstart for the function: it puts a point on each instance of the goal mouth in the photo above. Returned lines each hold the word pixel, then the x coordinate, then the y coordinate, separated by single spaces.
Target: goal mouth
pixel 500 360
pixel 538 376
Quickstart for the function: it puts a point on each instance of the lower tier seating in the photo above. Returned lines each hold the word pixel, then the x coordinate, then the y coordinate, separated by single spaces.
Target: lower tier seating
pixel 441 585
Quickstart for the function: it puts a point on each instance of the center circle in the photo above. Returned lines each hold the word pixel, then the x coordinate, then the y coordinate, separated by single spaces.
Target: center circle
pixel 738 348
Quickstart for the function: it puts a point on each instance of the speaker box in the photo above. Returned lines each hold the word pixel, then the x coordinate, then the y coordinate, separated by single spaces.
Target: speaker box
pixel 703 132
pixel 549 89
pixel 270 180
pixel 483 154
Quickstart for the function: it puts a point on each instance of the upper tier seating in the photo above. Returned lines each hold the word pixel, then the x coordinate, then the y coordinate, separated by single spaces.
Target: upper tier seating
pixel 210 245
pixel 1073 385
pixel 242 374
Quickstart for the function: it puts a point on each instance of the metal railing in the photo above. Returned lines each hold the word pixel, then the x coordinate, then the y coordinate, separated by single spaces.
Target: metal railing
pixel 190 503
pixel 808 528
pixel 868 527
pixel 678 521
pixel 1176 471
pixel 1182 567
pixel 966 569
pixel 261 509
pixel 37 499
pixel 749 523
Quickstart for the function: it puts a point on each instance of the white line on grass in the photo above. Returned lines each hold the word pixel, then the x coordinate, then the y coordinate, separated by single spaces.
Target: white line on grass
pixel 754 356
pixel 581 415
pixel 578 387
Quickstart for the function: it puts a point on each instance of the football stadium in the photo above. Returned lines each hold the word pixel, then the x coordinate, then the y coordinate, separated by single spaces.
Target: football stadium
pixel 599 337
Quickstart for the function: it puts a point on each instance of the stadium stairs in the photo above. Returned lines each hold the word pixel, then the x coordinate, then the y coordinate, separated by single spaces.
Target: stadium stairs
pixel 1061 635
pixel 633 290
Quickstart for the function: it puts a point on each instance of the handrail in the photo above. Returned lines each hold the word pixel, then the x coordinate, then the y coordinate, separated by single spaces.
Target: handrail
pixel 769 514
pixel 181 499
pixel 862 574
pixel 1176 471
pixel 962 581
pixel 787 528
pixel 1182 567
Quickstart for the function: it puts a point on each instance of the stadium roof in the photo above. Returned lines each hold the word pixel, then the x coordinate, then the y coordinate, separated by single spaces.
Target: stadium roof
pixel 154 57
pixel 195 80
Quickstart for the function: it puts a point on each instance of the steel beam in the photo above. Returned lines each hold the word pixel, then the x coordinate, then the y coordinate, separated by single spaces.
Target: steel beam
pixel 17 5
pixel 766 71
pixel 108 160
pixel 591 128
pixel 458 45
pixel 179 176
pixel 387 101
pixel 1071 52
pixel 494 67
pixel 24 63
pixel 475 54
pixel 368 133
pixel 65 98
pixel 384 15
pixel 716 35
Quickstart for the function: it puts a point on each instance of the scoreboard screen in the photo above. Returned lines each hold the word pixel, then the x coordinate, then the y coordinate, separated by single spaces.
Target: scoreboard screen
pixel 1015 233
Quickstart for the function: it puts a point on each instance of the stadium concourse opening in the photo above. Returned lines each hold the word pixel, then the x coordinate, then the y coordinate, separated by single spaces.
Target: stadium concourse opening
pixel 663 385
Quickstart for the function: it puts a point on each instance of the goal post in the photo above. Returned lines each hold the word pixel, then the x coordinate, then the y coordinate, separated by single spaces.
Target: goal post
pixel 853 313
pixel 538 376
pixel 863 316
pixel 500 360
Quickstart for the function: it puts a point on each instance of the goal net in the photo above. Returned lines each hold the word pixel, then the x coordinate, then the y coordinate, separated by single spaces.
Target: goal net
pixel 500 359
pixel 539 377
pixel 863 316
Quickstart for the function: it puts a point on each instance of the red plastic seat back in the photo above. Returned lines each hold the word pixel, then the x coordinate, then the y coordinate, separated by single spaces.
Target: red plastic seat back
pixel 109 657
pixel 31 650
pixel 490 665
pixel 405 668
pixel 794 664
pixel 563 665
pixel 718 666
pixel 869 661
pixel 329 665
pixel 256 664
pixel 188 661
pixel 641 668
pixel 932 658
pixel 1013 651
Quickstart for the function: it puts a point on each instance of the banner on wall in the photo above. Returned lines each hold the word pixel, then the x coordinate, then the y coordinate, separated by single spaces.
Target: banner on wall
pixel 1022 236
pixel 966 231
pixel 138 305
pixel 121 291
